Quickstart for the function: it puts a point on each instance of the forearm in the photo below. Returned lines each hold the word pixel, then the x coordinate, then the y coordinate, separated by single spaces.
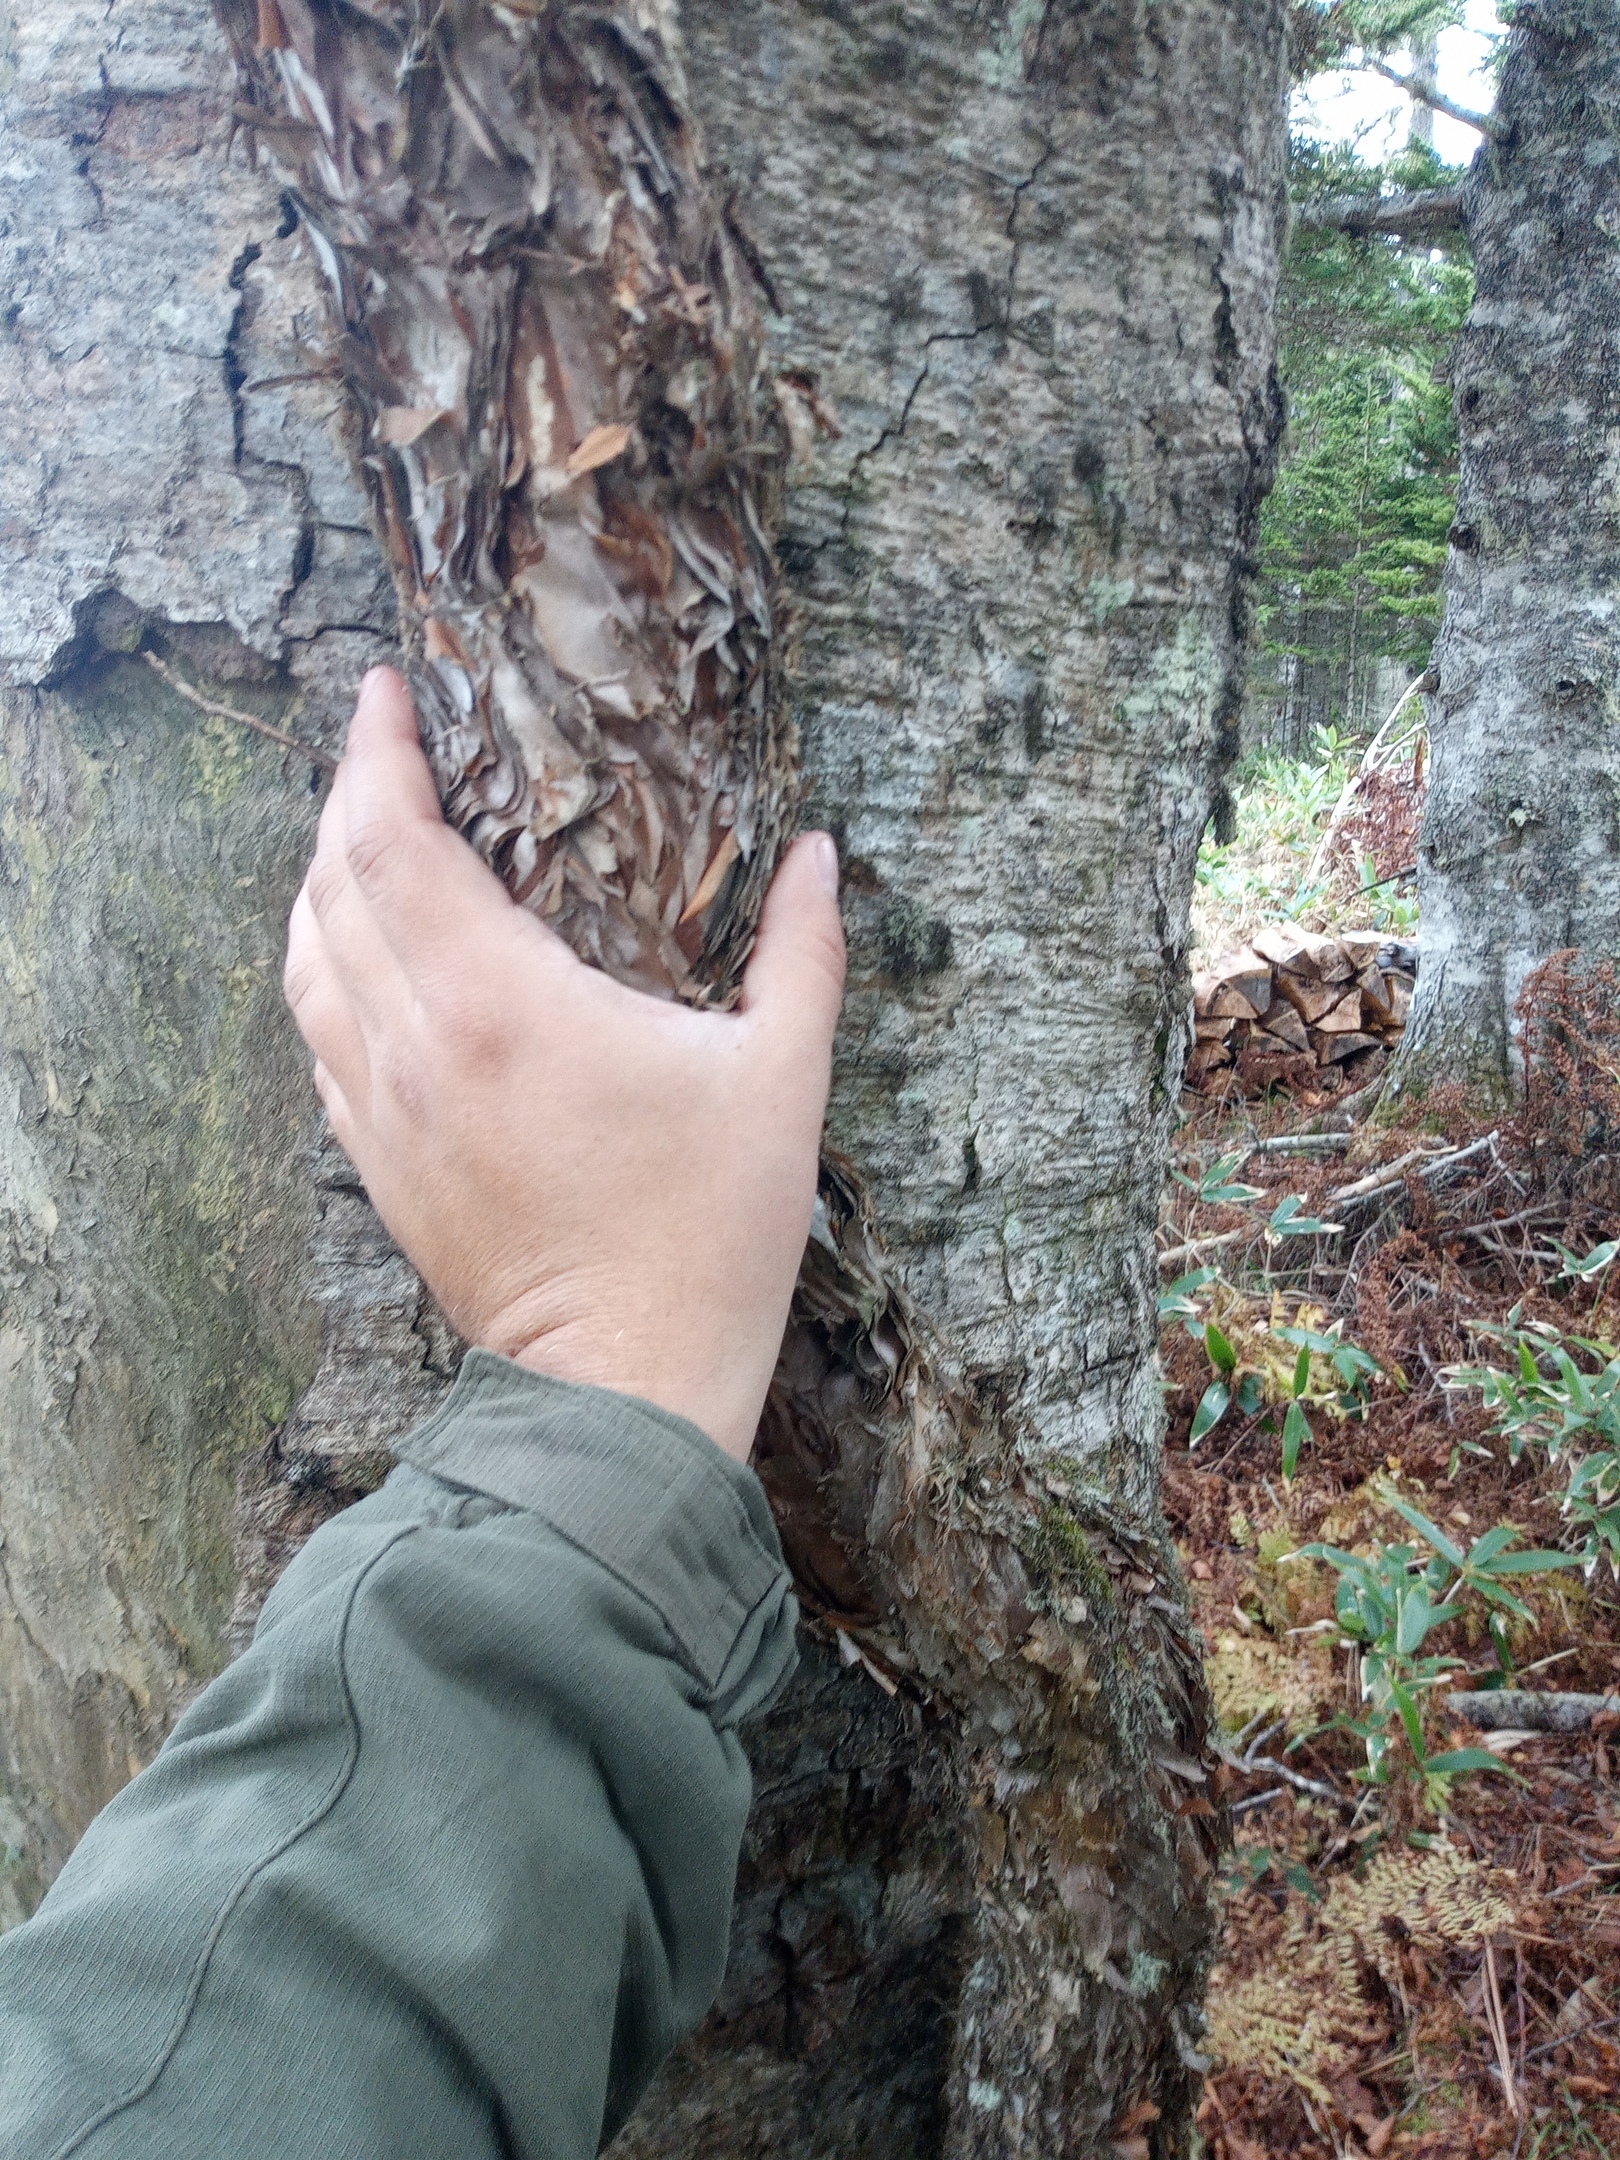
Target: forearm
pixel 444 1863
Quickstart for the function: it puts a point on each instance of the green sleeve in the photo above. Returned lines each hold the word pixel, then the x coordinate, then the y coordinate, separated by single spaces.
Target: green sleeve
pixel 443 1865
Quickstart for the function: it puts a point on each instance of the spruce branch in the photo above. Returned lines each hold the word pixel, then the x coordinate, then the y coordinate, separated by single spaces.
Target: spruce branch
pixel 1487 123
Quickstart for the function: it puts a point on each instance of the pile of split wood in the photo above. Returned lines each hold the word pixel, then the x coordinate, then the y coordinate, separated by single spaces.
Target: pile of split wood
pixel 1299 1010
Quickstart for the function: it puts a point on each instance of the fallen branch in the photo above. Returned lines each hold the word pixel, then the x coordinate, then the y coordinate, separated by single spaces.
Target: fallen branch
pixel 1327 1143
pixel 1425 683
pixel 1218 1243
pixel 1518 1710
pixel 1387 1178
pixel 1251 1763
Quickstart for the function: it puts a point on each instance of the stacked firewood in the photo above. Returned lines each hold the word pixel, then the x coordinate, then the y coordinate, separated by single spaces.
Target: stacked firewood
pixel 1296 1009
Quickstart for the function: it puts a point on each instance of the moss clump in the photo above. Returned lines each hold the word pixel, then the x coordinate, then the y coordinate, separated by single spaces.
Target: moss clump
pixel 1063 1564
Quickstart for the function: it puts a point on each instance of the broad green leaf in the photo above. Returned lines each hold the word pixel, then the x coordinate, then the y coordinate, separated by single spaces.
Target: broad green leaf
pixel 1310 1339
pixel 1251 1394
pixel 1302 1371
pixel 1296 1431
pixel 1210 1411
pixel 1410 1715
pixel 1487 1547
pixel 1221 1354
pixel 1531 1563
pixel 1496 1595
pixel 1457 1760
pixel 1417 1617
pixel 1421 1523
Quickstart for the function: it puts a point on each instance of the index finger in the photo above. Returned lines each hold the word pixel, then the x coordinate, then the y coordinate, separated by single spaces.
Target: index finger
pixel 420 880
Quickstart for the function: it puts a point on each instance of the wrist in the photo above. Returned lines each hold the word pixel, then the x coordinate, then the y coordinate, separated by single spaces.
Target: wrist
pixel 591 1357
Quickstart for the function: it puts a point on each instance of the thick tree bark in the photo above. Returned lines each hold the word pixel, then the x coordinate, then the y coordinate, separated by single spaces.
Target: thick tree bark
pixel 974 1911
pixel 1520 853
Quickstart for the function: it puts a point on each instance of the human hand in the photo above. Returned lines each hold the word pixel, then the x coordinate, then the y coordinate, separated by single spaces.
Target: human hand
pixel 600 1185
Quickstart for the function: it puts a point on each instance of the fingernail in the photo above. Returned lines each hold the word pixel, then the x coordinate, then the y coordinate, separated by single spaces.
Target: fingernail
pixel 827 863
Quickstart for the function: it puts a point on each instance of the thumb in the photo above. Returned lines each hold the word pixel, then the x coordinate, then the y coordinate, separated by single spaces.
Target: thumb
pixel 796 974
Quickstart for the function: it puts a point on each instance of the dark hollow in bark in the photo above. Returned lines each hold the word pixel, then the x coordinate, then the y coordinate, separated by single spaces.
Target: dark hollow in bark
pixel 1520 853
pixel 573 456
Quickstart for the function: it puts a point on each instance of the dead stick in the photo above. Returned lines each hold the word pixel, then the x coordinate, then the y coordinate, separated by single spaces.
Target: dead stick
pixel 178 683
pixel 1498 2025
pixel 1520 1710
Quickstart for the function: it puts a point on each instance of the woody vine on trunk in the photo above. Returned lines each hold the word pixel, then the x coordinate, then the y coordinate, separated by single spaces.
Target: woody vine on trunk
pixel 574 450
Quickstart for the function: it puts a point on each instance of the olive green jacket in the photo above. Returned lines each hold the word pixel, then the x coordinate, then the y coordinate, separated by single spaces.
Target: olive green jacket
pixel 443 1865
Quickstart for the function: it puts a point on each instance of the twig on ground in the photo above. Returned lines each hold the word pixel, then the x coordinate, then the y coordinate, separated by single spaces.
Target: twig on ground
pixel 1550 2047
pixel 1521 1710
pixel 1498 2026
pixel 1257 1800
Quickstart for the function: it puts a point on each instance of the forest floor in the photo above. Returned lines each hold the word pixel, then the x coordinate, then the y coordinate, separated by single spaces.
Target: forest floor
pixel 1424 1960
pixel 1429 1963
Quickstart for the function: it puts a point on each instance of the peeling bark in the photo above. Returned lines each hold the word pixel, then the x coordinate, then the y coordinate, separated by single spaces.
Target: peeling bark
pixel 1520 851
pixel 974 1910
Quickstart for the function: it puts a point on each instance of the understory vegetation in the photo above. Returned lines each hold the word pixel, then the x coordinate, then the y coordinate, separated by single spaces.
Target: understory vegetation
pixel 1391 1344
pixel 1392 1363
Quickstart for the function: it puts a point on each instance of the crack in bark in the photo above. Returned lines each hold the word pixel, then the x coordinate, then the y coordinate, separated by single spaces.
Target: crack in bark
pixel 1004 327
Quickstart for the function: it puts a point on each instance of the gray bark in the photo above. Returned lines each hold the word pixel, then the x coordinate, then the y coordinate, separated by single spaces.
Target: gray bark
pixel 1425 79
pixel 1520 854
pixel 1029 264
pixel 1421 214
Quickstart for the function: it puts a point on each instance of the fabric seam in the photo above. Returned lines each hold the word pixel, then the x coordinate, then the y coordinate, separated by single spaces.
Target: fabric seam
pixel 77 2139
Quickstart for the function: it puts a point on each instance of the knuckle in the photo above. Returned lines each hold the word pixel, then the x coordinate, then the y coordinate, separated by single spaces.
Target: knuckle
pixel 326 879
pixel 297 981
pixel 473 1027
pixel 400 1076
pixel 372 851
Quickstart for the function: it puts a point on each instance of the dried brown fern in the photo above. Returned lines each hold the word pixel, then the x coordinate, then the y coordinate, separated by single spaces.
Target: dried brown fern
pixel 1311 2009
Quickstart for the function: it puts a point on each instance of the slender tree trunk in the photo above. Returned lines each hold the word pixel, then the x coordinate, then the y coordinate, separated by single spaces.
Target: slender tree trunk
pixel 1520 854
pixel 1016 274
pixel 1424 71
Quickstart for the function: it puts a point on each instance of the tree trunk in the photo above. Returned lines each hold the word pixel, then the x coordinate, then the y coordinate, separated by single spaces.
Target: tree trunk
pixel 1424 73
pixel 1520 854
pixel 1018 271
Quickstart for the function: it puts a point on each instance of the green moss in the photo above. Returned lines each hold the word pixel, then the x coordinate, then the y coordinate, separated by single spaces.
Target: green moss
pixel 1061 1560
